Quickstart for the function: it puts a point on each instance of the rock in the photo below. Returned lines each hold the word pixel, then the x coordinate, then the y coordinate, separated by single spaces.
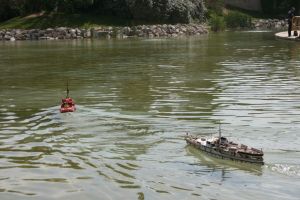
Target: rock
pixel 101 34
pixel 27 36
pixel 12 39
pixel 17 31
pixel 7 36
pixel 269 24
pixel 88 33
pixel 61 29
pixel 8 33
pixel 73 35
pixel 19 36
pixel 108 32
pixel 33 31
pixel 46 38
pixel 61 37
pixel 41 33
pixel 72 31
pixel 68 36
pixel 54 34
pixel 77 31
pixel 141 34
pixel 34 36
pixel 151 35
pixel 126 31
pixel 277 25
pixel 49 30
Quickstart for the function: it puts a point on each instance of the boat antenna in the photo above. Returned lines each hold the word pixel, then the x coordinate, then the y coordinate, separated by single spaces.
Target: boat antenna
pixel 220 134
pixel 67 89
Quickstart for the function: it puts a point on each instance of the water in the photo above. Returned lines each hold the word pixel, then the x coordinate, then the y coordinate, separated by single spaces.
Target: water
pixel 136 99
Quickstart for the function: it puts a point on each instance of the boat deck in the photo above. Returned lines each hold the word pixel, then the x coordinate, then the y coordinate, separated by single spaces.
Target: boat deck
pixel 225 153
pixel 284 36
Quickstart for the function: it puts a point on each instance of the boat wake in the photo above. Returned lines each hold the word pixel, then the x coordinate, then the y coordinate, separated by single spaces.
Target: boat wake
pixel 286 169
pixel 214 163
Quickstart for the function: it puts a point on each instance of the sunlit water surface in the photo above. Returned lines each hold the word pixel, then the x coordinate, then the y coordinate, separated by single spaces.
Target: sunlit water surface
pixel 136 99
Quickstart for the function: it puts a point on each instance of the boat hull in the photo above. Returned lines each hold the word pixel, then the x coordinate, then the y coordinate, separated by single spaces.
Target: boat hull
pixel 67 109
pixel 218 152
pixel 67 105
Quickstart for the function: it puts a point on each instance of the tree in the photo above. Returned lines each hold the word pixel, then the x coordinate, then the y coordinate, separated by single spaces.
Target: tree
pixel 183 11
pixel 278 7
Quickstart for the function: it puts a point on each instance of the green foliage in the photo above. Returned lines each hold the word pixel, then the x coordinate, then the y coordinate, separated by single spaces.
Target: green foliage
pixel 215 5
pixel 175 11
pixel 216 22
pixel 277 7
pixel 13 8
pixel 236 19
pixel 63 20
pixel 8 9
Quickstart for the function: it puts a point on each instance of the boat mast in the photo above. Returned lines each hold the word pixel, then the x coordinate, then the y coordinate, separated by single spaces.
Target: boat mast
pixel 220 134
pixel 67 89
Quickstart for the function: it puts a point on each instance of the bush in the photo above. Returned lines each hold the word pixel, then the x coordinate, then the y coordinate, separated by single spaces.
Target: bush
pixel 216 22
pixel 215 5
pixel 236 19
pixel 171 11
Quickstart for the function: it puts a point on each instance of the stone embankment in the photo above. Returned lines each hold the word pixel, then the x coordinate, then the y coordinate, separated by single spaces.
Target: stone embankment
pixel 150 31
pixel 270 24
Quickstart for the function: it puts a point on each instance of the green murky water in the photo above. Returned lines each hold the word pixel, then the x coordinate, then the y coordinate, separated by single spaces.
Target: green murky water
pixel 136 99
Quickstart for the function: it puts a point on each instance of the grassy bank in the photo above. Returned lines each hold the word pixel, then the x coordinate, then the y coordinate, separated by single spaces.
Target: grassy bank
pixel 225 18
pixel 43 21
pixel 229 18
pixel 222 18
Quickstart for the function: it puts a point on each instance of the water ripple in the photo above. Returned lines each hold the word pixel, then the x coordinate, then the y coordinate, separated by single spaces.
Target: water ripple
pixel 135 101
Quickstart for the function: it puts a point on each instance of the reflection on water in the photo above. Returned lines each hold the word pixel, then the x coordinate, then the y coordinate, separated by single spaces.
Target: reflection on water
pixel 225 166
pixel 136 99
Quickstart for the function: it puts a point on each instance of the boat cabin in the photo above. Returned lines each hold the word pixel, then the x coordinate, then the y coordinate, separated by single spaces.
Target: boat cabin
pixel 67 102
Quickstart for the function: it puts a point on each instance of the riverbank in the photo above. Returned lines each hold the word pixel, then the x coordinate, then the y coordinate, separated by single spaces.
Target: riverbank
pixel 269 24
pixel 150 31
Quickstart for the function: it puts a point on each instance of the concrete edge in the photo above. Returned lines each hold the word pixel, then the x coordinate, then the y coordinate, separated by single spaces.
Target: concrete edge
pixel 284 36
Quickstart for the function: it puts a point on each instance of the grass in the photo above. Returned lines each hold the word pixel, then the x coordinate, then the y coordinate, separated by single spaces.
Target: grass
pixel 42 21
pixel 217 23
pixel 236 19
pixel 82 20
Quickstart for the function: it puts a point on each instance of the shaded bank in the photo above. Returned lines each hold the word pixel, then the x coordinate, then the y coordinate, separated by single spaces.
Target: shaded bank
pixel 163 11
pixel 269 24
pixel 104 32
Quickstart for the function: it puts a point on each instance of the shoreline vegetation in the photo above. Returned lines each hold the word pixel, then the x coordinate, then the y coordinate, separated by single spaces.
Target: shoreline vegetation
pixel 39 26
pixel 121 32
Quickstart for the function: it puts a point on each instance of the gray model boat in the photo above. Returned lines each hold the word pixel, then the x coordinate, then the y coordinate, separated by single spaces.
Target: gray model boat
pixel 222 148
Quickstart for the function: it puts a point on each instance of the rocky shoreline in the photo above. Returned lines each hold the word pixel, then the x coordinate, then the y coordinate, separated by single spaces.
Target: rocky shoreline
pixel 149 31
pixel 269 24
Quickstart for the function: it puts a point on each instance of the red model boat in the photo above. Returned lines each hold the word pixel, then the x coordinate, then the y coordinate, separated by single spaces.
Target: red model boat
pixel 67 104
